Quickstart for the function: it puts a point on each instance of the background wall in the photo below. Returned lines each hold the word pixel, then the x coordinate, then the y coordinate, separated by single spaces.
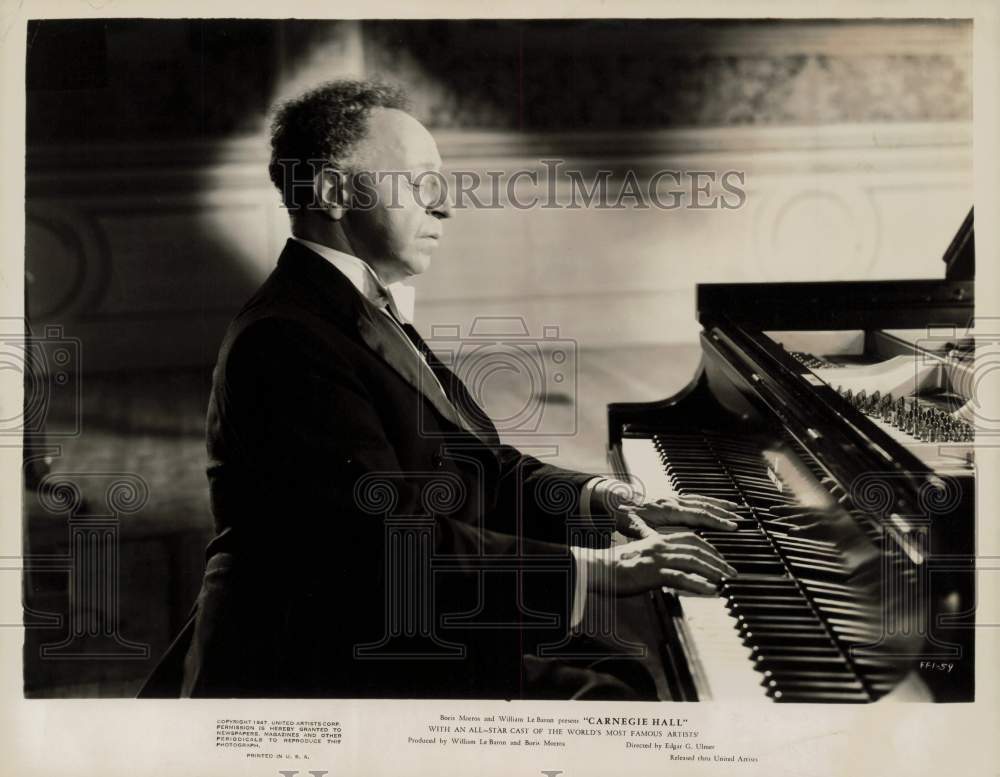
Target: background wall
pixel 150 219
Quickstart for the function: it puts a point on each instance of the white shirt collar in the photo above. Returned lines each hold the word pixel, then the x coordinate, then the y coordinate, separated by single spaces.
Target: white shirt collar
pixel 364 279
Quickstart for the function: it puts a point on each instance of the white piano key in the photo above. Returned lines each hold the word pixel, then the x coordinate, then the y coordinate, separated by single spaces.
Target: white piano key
pixel 725 663
pixel 645 468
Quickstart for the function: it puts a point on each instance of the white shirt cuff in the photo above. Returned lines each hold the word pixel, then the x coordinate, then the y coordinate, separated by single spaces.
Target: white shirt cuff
pixel 586 494
pixel 580 588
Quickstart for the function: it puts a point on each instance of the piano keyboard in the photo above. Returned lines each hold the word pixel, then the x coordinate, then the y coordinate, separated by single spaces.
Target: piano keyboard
pixel 792 626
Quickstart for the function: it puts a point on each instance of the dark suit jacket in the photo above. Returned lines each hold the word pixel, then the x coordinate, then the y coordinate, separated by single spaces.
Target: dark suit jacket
pixel 330 460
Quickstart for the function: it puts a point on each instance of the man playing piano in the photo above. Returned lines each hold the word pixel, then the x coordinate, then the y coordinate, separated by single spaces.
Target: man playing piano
pixel 374 537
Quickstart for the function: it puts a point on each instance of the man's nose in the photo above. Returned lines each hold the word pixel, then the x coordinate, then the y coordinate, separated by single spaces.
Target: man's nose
pixel 442 207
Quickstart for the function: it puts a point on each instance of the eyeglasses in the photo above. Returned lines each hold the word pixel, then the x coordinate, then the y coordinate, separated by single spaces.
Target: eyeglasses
pixel 429 186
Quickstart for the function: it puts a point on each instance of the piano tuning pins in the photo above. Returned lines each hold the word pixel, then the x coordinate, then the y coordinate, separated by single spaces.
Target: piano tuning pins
pixel 811 360
pixel 886 408
pixel 926 423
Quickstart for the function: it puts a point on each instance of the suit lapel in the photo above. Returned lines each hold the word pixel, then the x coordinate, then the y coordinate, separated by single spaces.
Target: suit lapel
pixel 459 395
pixel 382 336
pixel 334 296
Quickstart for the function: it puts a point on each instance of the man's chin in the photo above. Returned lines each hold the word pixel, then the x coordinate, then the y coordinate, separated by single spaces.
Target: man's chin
pixel 418 264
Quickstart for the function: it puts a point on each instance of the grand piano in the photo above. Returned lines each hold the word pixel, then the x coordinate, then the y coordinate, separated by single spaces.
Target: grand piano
pixel 840 417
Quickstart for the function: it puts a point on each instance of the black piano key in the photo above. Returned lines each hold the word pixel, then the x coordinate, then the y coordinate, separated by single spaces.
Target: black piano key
pixel 752 619
pixel 728 549
pixel 765 597
pixel 847 684
pixel 765 609
pixel 846 597
pixel 765 627
pixel 827 585
pixel 747 525
pixel 749 558
pixel 850 623
pixel 854 639
pixel 857 637
pixel 799 540
pixel 752 569
pixel 843 605
pixel 759 498
pixel 800 651
pixel 873 663
pixel 808 551
pixel 814 629
pixel 745 536
pixel 817 563
pixel 759 584
pixel 785 637
pixel 759 567
pixel 814 568
pixel 821 697
pixel 815 675
pixel 858 625
pixel 779 662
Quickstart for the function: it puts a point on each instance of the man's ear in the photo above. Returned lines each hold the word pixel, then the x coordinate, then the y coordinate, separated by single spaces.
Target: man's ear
pixel 330 186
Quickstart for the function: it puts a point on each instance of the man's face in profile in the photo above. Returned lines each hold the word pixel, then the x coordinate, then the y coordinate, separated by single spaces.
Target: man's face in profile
pixel 400 229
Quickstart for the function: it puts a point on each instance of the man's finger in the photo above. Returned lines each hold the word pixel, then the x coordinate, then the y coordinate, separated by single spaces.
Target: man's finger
pixel 709 556
pixel 637 528
pixel 678 535
pixel 697 561
pixel 693 516
pixel 725 504
pixel 794 520
pixel 804 524
pixel 702 516
pixel 686 582
pixel 726 511
pixel 689 540
pixel 711 509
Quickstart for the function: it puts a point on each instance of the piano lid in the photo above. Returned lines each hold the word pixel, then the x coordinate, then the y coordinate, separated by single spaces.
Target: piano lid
pixel 838 305
pixel 960 258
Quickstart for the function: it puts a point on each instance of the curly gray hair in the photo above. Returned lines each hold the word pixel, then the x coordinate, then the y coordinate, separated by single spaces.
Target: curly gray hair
pixel 324 123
